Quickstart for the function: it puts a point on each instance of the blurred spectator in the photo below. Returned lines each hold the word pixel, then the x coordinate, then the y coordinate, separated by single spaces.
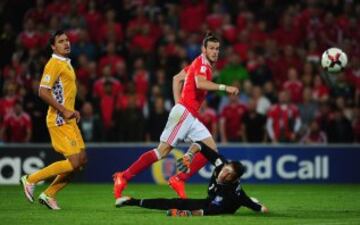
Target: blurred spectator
pixel 340 128
pixel 29 38
pixel 110 58
pixel 294 86
pixel 115 85
pixel 83 46
pixel 121 72
pixel 342 88
pixel 17 126
pixel 308 107
pixel 141 77
pixel 37 111
pixel 38 13
pixel 262 103
pixel 128 119
pixel 356 124
pixel 109 27
pixel 261 72
pixel 93 19
pixel 192 15
pixel 320 92
pixel 208 117
pixel 254 125
pixel 130 91
pixel 231 121
pixel 314 135
pixel 270 92
pixel 307 75
pixel 7 44
pixel 157 120
pixel 7 102
pixel 283 122
pixel 287 33
pixel 233 71
pixel 107 103
pixel 90 124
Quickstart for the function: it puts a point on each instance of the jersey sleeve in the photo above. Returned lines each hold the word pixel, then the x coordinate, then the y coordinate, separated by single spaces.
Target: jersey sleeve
pixel 248 202
pixel 50 75
pixel 186 69
pixel 202 70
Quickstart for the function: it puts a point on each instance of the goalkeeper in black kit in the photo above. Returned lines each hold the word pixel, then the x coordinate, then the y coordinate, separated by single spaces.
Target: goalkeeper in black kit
pixel 225 194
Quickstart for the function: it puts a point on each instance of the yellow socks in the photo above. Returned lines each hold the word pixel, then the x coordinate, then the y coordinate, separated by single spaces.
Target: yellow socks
pixel 59 183
pixel 60 167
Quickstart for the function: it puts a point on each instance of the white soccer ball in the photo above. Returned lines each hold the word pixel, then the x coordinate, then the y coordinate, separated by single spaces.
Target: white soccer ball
pixel 334 60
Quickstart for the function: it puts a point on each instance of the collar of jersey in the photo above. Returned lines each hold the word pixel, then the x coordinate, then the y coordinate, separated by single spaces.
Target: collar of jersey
pixel 60 58
pixel 206 60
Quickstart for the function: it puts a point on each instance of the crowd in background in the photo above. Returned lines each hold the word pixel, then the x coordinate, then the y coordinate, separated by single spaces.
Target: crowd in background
pixel 125 54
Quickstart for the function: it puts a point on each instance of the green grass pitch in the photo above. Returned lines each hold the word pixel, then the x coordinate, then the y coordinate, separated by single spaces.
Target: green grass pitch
pixel 86 204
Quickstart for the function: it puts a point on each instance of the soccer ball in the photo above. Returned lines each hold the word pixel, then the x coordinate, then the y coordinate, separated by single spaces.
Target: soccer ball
pixel 333 60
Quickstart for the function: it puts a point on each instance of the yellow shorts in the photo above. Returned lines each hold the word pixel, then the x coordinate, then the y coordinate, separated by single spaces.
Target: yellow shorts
pixel 67 139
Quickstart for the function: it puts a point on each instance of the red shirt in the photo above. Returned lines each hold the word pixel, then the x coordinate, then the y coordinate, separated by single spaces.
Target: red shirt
pixel 98 89
pixel 192 17
pixel 208 118
pixel 233 115
pixel 320 91
pixel 191 97
pixel 6 105
pixel 107 106
pixel 30 40
pixel 295 89
pixel 110 60
pixel 317 137
pixel 282 118
pixel 141 81
pixel 16 126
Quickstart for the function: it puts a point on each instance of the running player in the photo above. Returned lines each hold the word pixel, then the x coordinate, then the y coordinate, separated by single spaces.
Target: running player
pixel 225 194
pixel 183 123
pixel 58 89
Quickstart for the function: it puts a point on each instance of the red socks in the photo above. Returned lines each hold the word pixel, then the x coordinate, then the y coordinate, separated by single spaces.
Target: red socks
pixel 197 163
pixel 143 162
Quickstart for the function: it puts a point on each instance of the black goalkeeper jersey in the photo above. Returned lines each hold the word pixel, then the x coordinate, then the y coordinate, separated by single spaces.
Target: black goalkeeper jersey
pixel 226 198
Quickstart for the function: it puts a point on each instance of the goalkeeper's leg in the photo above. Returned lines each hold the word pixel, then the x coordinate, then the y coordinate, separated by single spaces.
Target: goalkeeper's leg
pixel 164 204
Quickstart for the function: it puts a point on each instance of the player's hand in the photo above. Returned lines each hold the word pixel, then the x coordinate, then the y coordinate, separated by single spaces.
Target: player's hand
pixel 264 209
pixel 183 164
pixel 77 116
pixel 232 90
pixel 68 114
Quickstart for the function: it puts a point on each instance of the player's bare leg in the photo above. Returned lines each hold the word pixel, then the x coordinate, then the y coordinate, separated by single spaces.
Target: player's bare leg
pixel 177 182
pixel 48 197
pixel 144 161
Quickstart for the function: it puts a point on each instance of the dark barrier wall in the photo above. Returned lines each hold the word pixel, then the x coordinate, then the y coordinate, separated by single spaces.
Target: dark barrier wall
pixel 265 164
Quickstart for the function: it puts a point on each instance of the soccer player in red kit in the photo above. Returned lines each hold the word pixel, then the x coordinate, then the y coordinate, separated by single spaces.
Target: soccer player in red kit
pixel 183 123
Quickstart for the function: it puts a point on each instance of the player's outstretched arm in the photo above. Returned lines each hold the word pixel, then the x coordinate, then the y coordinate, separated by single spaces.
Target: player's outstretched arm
pixel 203 84
pixel 177 84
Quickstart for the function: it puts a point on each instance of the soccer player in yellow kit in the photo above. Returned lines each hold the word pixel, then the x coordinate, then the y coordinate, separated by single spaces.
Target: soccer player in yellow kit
pixel 58 89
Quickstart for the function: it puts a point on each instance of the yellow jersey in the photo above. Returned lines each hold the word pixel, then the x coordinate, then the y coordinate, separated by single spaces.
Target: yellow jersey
pixel 59 76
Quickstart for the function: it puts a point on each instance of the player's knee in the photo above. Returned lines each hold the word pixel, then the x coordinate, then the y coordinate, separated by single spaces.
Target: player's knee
pixel 83 162
pixel 163 150
pixel 83 159
pixel 75 164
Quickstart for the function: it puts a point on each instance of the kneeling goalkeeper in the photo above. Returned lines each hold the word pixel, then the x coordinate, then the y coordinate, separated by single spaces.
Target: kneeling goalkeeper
pixel 225 194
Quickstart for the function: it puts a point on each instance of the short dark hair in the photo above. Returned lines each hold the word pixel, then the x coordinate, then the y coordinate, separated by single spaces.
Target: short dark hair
pixel 54 35
pixel 209 37
pixel 238 167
